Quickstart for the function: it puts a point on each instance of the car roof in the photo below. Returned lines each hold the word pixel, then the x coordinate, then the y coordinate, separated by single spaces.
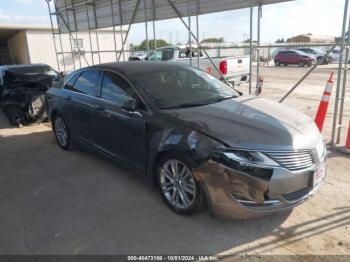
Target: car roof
pixel 137 67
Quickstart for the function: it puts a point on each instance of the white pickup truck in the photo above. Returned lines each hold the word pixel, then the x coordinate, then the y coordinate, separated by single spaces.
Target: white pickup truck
pixel 234 69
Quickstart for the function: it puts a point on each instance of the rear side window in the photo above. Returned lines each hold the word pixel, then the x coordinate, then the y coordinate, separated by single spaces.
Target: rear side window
pixel 86 83
pixel 115 89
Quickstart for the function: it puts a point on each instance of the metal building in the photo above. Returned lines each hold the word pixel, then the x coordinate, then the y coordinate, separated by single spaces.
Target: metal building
pixel 26 44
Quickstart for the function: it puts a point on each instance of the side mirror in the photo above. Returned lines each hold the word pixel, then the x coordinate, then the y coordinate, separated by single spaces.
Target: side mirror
pixel 130 105
pixel 62 73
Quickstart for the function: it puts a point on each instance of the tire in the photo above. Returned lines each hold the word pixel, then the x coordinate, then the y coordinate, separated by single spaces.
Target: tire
pixel 277 63
pixel 179 189
pixel 61 132
pixel 301 64
pixel 319 60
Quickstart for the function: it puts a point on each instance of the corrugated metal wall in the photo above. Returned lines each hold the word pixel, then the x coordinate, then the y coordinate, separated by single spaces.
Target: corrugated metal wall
pixel 41 49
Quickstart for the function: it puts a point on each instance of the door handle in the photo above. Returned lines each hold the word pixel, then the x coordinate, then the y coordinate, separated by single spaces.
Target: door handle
pixel 100 108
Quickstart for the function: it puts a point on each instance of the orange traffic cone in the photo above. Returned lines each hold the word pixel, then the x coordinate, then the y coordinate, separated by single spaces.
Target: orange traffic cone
pixel 322 109
pixel 347 144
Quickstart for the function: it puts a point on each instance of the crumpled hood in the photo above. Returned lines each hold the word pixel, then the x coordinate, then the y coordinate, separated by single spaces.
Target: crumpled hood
pixel 252 123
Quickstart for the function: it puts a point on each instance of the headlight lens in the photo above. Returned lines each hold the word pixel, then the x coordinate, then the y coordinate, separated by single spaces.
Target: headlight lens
pixel 248 158
pixel 252 163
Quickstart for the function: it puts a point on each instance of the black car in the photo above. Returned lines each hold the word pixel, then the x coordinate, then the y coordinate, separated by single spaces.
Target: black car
pixel 192 135
pixel 22 91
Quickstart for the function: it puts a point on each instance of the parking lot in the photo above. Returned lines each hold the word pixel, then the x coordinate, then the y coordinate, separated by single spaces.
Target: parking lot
pixel 77 202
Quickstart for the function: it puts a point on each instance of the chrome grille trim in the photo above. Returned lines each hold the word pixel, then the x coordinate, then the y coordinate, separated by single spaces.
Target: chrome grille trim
pixel 292 160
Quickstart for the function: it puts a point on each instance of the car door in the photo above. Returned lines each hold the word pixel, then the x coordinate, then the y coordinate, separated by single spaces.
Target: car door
pixel 121 133
pixel 294 57
pixel 80 95
pixel 283 57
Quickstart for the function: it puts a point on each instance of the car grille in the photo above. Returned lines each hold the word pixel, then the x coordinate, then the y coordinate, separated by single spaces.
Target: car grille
pixel 292 160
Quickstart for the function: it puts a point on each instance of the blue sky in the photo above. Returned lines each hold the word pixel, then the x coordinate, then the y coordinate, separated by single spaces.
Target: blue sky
pixel 278 21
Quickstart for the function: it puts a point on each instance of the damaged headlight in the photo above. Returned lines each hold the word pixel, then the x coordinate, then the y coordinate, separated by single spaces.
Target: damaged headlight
pixel 250 162
pixel 247 158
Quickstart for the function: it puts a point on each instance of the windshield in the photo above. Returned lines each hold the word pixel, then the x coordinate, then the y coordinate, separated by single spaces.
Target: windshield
pixel 34 70
pixel 184 87
pixel 301 53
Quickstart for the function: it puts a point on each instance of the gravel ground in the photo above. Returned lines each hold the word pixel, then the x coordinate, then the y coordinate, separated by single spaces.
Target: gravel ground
pixel 57 202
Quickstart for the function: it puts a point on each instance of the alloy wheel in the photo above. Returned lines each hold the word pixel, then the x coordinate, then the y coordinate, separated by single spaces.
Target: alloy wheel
pixel 61 132
pixel 177 184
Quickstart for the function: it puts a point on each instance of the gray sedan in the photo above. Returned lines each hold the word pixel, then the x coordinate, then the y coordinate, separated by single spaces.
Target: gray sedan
pixel 197 139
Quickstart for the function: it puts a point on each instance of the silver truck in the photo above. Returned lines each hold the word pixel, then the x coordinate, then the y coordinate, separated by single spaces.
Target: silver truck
pixel 235 70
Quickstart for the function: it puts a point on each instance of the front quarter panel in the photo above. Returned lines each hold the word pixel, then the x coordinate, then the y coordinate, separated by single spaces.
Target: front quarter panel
pixel 193 144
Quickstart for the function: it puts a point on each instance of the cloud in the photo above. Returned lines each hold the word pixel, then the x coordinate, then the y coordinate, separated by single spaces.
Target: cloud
pixel 24 2
pixel 7 17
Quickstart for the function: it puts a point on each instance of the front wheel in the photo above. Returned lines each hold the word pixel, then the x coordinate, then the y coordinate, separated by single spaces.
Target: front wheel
pixel 61 132
pixel 301 64
pixel 178 187
pixel 277 63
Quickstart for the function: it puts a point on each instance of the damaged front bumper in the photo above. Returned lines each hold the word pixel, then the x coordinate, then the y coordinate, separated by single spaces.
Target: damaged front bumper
pixel 235 194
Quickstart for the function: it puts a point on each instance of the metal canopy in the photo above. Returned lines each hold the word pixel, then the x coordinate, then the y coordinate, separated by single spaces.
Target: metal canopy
pixel 82 15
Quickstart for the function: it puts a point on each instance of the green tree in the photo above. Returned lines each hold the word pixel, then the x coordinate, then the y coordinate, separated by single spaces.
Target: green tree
pixel 213 40
pixel 280 41
pixel 143 45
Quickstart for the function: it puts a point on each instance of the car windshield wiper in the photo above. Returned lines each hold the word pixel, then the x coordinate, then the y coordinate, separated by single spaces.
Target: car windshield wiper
pixel 212 101
pixel 184 105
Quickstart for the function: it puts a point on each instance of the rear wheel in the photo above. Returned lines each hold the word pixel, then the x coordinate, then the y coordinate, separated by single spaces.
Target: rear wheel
pixel 61 132
pixel 277 63
pixel 178 187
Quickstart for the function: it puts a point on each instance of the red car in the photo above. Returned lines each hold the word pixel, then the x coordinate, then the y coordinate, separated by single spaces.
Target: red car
pixel 293 57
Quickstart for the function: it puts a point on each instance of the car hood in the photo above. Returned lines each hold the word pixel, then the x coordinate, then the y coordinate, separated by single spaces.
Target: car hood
pixel 251 123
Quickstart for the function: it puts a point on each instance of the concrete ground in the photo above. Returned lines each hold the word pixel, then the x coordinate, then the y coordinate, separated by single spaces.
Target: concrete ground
pixel 77 202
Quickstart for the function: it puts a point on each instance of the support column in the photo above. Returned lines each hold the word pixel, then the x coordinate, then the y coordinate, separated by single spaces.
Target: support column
pixel 154 24
pixel 131 22
pixel 195 38
pixel 114 38
pixel 121 29
pixel 53 34
pixel 251 46
pixel 69 33
pixel 89 31
pixel 336 106
pixel 96 33
pixel 189 32
pixel 146 27
pixel 258 50
pixel 197 25
pixel 343 90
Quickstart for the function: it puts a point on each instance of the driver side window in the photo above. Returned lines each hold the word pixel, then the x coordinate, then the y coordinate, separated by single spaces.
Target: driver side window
pixel 117 90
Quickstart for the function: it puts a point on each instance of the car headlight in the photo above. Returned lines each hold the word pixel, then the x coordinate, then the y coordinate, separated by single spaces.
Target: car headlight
pixel 248 162
pixel 250 158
